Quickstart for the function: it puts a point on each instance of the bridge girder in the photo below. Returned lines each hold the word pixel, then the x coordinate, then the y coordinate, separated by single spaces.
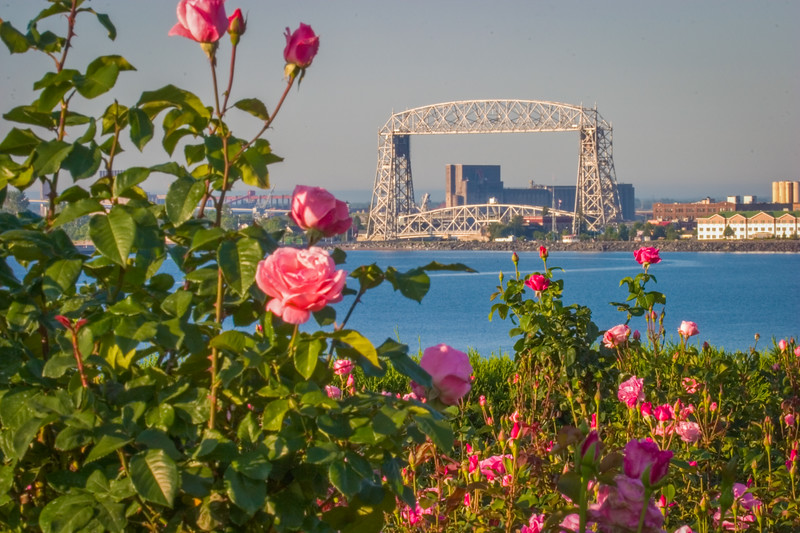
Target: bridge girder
pixel 596 202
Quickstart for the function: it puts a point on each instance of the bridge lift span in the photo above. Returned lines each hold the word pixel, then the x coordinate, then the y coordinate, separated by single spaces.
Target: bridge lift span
pixel 394 214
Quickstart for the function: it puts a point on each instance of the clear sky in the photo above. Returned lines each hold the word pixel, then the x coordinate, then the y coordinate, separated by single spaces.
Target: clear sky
pixel 704 97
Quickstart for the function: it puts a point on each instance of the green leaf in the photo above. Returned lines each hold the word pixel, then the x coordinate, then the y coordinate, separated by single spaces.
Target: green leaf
pixel 413 284
pixel 177 303
pixel 101 75
pixel 439 431
pixel 78 209
pixel 306 355
pixel 83 161
pixel 57 365
pixel 359 343
pixel 107 24
pixel 113 234
pixel 254 465
pixel 272 419
pixel 128 178
pixel 248 494
pixel 254 106
pixel 398 355
pixel 153 102
pixel 155 476
pixel 368 276
pixel 141 127
pixel 233 341
pixel 239 262
pixel 19 142
pixel 49 155
pixel 206 239
pixel 324 453
pixel 344 478
pixel 60 277
pixel 106 445
pixel 68 513
pixel 31 115
pixel 16 42
pixel 182 199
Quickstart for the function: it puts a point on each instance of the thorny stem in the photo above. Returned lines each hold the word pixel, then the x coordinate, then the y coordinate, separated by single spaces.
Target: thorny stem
pixel 76 351
pixel 269 120
pixel 212 394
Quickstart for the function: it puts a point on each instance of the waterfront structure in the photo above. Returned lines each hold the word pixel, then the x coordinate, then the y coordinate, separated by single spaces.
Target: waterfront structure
pixel 689 212
pixel 786 192
pixel 749 225
pixel 597 199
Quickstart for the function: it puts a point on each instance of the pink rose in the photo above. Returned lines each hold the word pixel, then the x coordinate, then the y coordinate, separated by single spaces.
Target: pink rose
pixel 647 256
pixel 342 367
pixel 493 467
pixel 301 46
pixel 782 345
pixel 647 409
pixel 688 329
pixel 689 385
pixel 631 391
pixel 237 25
pixel 797 351
pixel 299 282
pixel 664 412
pixel 543 253
pixel 316 208
pixel 535 524
pixel 616 336
pixel 622 507
pixel 590 448
pixel 689 431
pixel 643 454
pixel 203 21
pixel 450 371
pixel 789 419
pixel 333 392
pixel 537 282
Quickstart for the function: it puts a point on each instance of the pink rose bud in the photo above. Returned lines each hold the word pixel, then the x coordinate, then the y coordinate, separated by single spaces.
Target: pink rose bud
pixel 236 26
pixel 712 407
pixel 317 209
pixel 203 21
pixel 342 367
pixel 688 329
pixel 593 421
pixel 514 258
pixel 301 46
pixel 350 380
pixel 537 283
pixel 782 345
pixel 637 335
pixel 543 253
pixel 647 256
pixel 299 282
pixel 639 455
pixel 590 448
pixel 482 400
pixel 514 431
pixel 333 392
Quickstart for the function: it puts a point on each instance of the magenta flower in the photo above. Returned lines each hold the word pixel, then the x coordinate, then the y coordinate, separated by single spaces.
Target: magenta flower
pixel 333 392
pixel 543 253
pixel 664 412
pixel 644 455
pixel 631 391
pixel 621 509
pixel 302 46
pixel 647 409
pixel 537 283
pixel 789 419
pixel 647 256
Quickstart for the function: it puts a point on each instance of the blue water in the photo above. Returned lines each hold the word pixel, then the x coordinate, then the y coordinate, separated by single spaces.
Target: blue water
pixel 731 296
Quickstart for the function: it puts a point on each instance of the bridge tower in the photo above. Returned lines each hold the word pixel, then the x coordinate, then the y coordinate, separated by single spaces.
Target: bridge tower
pixel 596 202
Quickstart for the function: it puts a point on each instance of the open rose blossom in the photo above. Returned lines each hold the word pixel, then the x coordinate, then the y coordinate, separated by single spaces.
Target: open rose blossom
pixel 301 46
pixel 315 208
pixel 299 282
pixel 689 431
pixel 622 508
pixel 688 329
pixel 641 454
pixel 203 21
pixel 616 336
pixel 450 371
pixel 647 256
pixel 631 391
pixel 537 282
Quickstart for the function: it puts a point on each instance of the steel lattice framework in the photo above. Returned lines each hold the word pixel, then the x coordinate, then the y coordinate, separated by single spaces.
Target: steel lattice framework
pixel 597 199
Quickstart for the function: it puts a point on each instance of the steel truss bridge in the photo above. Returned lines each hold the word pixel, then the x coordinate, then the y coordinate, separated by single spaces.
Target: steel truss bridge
pixel 394 213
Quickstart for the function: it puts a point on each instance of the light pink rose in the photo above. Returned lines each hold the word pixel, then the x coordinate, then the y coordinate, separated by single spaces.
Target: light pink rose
pixel 631 391
pixel 647 256
pixel 684 529
pixel 333 392
pixel 782 345
pixel 301 46
pixel 616 336
pixel 450 371
pixel 537 282
pixel 689 431
pixel 621 509
pixel 494 467
pixel 299 282
pixel 641 454
pixel 797 351
pixel 535 524
pixel 315 208
pixel 203 21
pixel 689 385
pixel 688 329
pixel 342 367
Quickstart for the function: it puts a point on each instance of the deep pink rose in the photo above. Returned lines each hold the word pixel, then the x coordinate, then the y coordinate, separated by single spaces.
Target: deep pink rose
pixel 688 329
pixel 616 336
pixel 237 25
pixel 299 282
pixel 664 412
pixel 689 431
pixel 494 466
pixel 797 351
pixel 203 21
pixel 631 391
pixel 590 448
pixel 301 46
pixel 316 208
pixel 622 507
pixel 342 367
pixel 535 524
pixel 647 409
pixel 543 253
pixel 450 371
pixel 647 256
pixel 789 419
pixel 641 454
pixel 537 282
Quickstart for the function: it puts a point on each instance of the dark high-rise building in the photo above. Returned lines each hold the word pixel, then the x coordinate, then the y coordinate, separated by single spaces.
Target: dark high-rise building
pixel 627 201
pixel 472 184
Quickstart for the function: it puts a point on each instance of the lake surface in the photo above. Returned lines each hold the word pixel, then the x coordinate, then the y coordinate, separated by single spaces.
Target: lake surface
pixel 731 296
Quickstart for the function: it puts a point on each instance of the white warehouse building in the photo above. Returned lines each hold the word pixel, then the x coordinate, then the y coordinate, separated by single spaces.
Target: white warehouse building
pixel 749 225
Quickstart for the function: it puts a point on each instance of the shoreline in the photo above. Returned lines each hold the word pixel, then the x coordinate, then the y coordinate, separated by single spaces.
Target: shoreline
pixel 751 246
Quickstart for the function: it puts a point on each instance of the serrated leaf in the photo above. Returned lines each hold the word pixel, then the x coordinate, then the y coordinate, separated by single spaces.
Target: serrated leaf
pixel 239 261
pixel 141 127
pixel 306 356
pixel 155 476
pixel 83 161
pixel 439 431
pixel 60 277
pixel 78 209
pixel 344 478
pixel 233 341
pixel 106 445
pixel 19 142
pixel 182 199
pixel 254 106
pixel 113 235
pixel 101 75
pixel 31 115
pixel 274 412
pixel 67 513
pixel 359 343
pixel 49 155
pixel 413 284
pixel 107 24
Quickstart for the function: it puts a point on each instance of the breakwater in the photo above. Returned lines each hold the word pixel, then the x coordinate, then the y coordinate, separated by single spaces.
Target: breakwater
pixel 766 245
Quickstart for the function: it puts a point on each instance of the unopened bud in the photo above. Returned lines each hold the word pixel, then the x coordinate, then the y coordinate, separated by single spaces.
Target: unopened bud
pixel 236 26
pixel 515 258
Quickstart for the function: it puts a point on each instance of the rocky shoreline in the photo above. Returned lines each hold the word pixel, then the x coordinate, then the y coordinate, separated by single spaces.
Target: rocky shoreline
pixel 762 246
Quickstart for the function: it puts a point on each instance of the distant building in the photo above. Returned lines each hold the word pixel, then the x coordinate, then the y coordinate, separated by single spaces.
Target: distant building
pixel 749 225
pixel 481 184
pixel 689 212
pixel 786 192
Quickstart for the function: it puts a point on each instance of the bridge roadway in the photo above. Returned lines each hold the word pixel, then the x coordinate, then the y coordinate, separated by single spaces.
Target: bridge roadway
pixel 466 220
